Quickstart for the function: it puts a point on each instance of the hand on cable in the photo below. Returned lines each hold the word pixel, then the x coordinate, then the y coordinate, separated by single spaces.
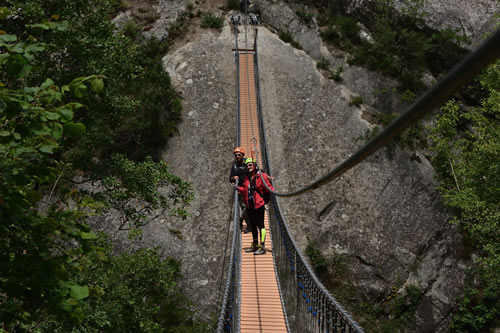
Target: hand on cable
pixel 235 185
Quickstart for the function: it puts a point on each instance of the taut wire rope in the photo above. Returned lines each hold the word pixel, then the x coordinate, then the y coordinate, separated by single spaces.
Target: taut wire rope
pixel 225 252
pixel 255 151
pixel 460 74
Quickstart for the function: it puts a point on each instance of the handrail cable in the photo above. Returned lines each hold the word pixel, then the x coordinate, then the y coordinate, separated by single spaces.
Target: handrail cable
pixel 254 140
pixel 228 299
pixel 326 306
pixel 274 238
pixel 225 250
pixel 460 74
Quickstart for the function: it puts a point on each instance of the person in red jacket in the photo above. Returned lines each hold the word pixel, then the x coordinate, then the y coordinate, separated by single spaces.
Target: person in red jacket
pixel 253 191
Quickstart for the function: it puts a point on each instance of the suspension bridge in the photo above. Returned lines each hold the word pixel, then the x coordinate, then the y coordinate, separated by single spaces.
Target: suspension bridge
pixel 279 292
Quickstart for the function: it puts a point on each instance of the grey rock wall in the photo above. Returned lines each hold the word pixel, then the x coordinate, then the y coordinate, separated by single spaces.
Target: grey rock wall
pixel 472 18
pixel 375 90
pixel 384 216
pixel 154 16
pixel 204 73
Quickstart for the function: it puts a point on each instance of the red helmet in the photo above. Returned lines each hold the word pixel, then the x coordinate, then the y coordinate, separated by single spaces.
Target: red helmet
pixel 239 150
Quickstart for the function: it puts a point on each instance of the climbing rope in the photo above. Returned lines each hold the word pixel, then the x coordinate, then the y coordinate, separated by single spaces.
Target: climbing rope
pixel 462 73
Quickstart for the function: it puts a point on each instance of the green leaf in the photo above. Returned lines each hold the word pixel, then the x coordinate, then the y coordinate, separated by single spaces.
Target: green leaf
pixel 34 48
pixel 62 26
pixel 25 70
pixel 47 84
pixel 15 64
pixel 48 148
pixel 17 136
pixel 97 85
pixel 88 235
pixel 4 57
pixel 4 133
pixel 66 113
pixel 78 292
pixel 4 12
pixel 80 90
pixel 51 115
pixel 31 90
pixel 102 256
pixel 57 131
pixel 74 129
pixel 8 38
pixel 38 26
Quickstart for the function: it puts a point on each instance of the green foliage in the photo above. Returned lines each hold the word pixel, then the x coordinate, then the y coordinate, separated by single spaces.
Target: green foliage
pixel 403 308
pixel 180 27
pixel 405 305
pixel 141 180
pixel 479 307
pixel 132 292
pixel 139 110
pixel 176 232
pixel 411 139
pixel 369 134
pixel 34 234
pixel 466 145
pixel 331 34
pixel 288 38
pixel 348 27
pixel 356 101
pixel 323 63
pixel 337 75
pixel 131 29
pixel 401 49
pixel 305 15
pixel 210 21
pixel 47 137
pixel 233 4
pixel 318 261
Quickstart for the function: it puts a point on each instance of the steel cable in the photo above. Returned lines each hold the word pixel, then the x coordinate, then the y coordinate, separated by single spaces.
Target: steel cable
pixel 460 74
pixel 225 250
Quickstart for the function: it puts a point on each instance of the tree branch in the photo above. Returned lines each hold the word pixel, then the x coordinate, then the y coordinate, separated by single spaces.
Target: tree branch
pixel 454 176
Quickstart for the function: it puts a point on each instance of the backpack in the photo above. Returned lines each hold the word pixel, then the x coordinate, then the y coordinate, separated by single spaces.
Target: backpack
pixel 266 196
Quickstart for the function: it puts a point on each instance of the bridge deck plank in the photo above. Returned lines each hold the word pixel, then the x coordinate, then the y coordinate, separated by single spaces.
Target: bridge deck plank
pixel 261 308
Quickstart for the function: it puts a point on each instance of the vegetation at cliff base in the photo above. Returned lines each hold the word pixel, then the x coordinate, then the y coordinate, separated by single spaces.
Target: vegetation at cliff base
pixel 398 46
pixel 466 144
pixel 463 143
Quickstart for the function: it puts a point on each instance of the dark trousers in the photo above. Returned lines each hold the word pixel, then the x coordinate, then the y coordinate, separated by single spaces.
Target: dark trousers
pixel 243 212
pixel 256 218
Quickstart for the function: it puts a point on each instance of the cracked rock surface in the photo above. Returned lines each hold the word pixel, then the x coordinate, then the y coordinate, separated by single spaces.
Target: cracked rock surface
pixel 384 216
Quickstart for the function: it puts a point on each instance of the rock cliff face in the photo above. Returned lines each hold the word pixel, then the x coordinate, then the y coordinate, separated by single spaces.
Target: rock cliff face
pixel 384 217
pixel 473 18
pixel 204 73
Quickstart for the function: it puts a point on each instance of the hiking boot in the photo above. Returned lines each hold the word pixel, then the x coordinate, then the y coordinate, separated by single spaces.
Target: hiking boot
pixel 253 248
pixel 260 251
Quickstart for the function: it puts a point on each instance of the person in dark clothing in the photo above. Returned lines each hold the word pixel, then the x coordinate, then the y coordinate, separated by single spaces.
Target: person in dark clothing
pixel 236 176
pixel 238 169
pixel 253 191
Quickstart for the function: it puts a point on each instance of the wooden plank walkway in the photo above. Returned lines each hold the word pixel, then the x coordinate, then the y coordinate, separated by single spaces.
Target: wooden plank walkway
pixel 261 309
